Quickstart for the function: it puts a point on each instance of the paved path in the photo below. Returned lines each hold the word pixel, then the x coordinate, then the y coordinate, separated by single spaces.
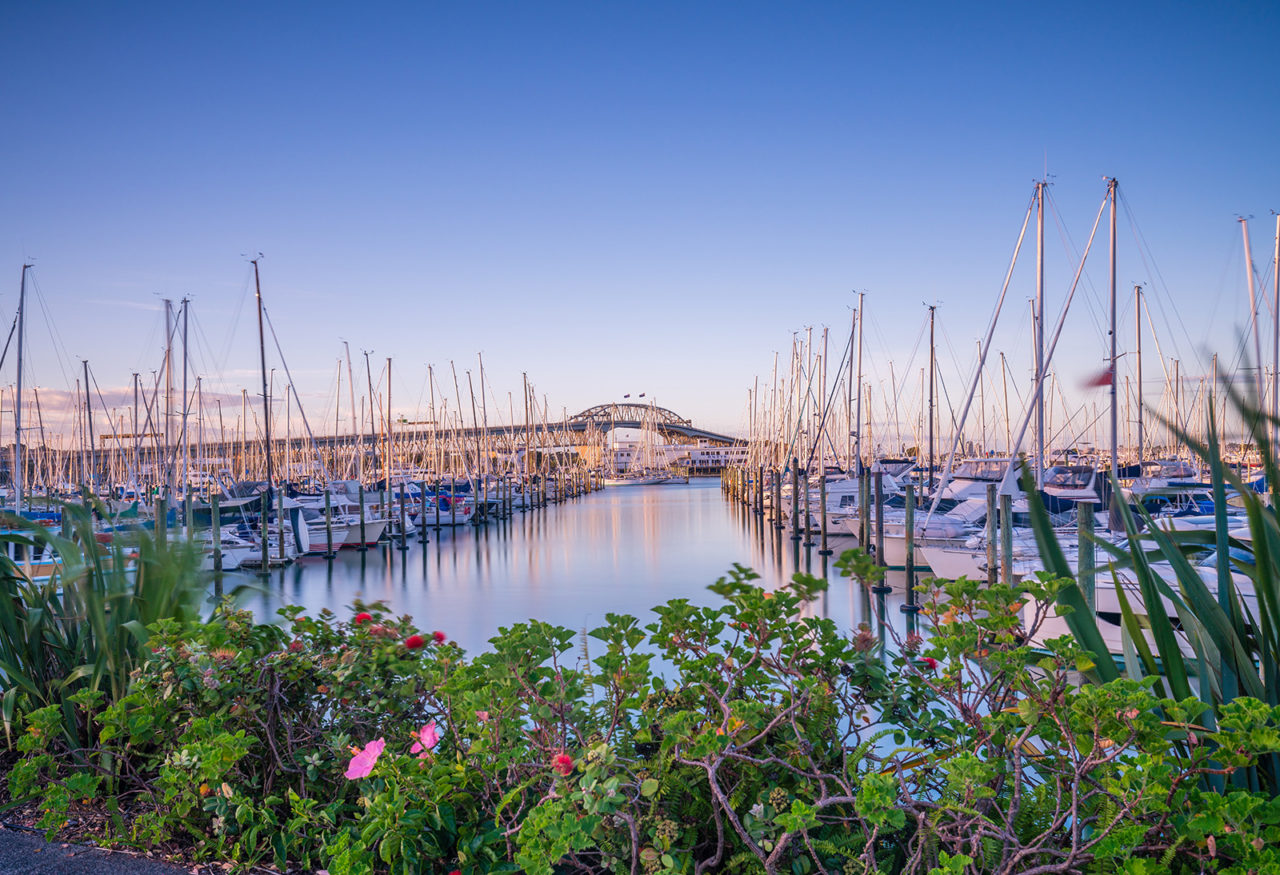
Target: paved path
pixel 24 853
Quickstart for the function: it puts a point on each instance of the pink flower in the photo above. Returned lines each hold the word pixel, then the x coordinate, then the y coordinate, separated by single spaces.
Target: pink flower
pixel 929 663
pixel 362 617
pixel 413 642
pixel 562 763
pixel 428 737
pixel 438 637
pixel 364 760
pixel 482 716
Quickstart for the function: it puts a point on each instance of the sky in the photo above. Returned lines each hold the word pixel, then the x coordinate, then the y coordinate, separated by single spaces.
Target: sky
pixel 616 198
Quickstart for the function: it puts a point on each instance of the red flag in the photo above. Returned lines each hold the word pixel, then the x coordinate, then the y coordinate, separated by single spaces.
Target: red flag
pixel 1102 379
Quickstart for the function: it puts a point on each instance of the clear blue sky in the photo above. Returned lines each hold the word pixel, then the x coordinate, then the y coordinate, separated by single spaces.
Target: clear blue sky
pixel 617 197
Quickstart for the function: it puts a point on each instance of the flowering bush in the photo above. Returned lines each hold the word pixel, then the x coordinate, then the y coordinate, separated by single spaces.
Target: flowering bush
pixel 742 737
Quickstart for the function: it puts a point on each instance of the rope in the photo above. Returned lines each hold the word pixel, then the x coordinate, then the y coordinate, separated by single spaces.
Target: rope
pixel 311 437
pixel 982 359
pixel 1011 472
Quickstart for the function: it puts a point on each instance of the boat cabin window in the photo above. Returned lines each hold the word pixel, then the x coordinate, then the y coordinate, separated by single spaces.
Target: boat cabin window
pixel 982 469
pixel 1238 555
pixel 1069 476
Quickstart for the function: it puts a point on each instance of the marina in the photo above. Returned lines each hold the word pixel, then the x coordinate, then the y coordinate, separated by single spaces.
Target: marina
pixel 616 550
pixel 640 439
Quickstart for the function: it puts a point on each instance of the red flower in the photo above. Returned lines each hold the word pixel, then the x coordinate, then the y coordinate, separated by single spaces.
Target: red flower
pixel 456 872
pixel 562 763
pixel 438 637
pixel 929 663
pixel 295 645
pixel 363 617
pixel 413 642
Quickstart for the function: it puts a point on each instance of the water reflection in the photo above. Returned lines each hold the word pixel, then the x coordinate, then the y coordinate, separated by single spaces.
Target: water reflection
pixel 622 550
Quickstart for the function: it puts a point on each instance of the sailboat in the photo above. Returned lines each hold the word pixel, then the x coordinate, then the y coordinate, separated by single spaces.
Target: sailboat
pixel 648 464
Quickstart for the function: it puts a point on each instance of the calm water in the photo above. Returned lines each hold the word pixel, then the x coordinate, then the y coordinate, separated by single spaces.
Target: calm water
pixel 621 550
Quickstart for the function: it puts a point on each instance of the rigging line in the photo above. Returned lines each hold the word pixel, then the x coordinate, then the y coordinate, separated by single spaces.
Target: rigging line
pixel 879 341
pixel 115 434
pixel 204 355
pixel 311 437
pixel 59 348
pixel 986 348
pixel 830 402
pixel 1151 267
pixel 141 350
pixel 1164 367
pixel 12 330
pixel 1069 247
pixel 235 321
pixel 1047 360
pixel 1076 435
pixel 897 389
pixel 1081 275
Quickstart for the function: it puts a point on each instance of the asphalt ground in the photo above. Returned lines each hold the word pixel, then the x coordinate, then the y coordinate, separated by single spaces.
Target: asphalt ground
pixel 24 853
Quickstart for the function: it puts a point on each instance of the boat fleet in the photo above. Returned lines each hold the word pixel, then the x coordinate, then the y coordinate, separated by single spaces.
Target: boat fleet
pixel 977 523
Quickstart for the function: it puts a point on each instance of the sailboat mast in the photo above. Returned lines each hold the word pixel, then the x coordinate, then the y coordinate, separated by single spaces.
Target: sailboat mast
pixel 373 423
pixel 386 466
pixel 355 430
pixel 932 378
pixel 1137 304
pixel 88 418
pixel 1275 344
pixel 822 411
pixel 137 439
pixel 18 460
pixel 170 478
pixel 186 405
pixel 848 405
pixel 1115 433
pixel 528 429
pixel 437 460
pixel 266 398
pixel 1253 311
pixel 1039 333
pixel 484 422
pixel 857 441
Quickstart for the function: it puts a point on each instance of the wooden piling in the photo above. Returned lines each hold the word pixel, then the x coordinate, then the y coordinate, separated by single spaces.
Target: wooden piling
pixel 912 604
pixel 328 524
pixel 215 523
pixel 993 564
pixel 1006 540
pixel 1086 568
pixel 404 519
pixel 363 539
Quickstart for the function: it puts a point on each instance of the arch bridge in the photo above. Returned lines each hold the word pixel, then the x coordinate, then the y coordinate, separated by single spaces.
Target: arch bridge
pixel 606 417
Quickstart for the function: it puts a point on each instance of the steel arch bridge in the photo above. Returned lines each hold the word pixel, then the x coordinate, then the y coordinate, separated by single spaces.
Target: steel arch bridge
pixel 605 417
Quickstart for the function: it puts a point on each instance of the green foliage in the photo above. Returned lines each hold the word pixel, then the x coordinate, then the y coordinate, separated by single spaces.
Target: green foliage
pixel 84 626
pixel 1210 633
pixel 744 736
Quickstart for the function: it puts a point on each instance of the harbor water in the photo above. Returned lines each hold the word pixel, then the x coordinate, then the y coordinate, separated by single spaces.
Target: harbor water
pixel 620 550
